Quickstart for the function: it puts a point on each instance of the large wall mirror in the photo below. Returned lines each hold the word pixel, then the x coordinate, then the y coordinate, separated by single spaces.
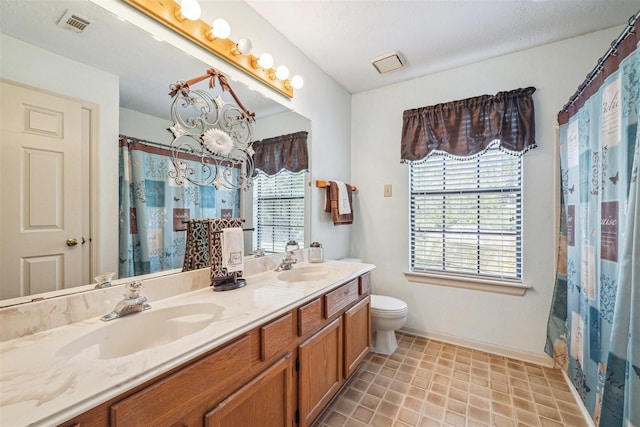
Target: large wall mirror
pixel 39 52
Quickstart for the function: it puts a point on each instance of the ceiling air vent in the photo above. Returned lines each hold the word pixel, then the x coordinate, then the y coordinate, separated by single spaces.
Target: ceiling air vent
pixel 72 22
pixel 388 62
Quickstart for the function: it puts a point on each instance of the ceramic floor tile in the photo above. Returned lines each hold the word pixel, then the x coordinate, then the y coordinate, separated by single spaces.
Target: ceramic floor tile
pixel 430 383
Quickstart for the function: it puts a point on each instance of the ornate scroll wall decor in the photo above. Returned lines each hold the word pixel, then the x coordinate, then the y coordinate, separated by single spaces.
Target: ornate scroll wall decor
pixel 217 132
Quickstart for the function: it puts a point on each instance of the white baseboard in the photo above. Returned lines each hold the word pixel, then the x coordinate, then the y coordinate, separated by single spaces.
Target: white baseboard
pixel 525 356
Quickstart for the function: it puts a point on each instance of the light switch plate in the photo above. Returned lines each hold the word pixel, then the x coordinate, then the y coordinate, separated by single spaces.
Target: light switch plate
pixel 387 190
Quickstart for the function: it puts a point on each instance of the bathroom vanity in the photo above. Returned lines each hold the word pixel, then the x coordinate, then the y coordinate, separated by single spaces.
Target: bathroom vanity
pixel 273 353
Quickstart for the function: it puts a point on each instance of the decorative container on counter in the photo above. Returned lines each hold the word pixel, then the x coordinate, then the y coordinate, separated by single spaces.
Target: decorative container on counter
pixel 316 252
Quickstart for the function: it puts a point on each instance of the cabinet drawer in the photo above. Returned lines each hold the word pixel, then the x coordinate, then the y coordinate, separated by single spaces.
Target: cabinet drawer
pixel 309 317
pixel 365 283
pixel 168 400
pixel 276 337
pixel 340 298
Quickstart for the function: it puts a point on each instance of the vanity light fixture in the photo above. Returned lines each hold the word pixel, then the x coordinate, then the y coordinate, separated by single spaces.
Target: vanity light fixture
pixel 243 47
pixel 296 82
pixel 184 18
pixel 190 9
pixel 265 61
pixel 282 72
pixel 220 29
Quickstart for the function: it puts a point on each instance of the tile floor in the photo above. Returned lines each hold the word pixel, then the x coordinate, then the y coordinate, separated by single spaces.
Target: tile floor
pixel 430 383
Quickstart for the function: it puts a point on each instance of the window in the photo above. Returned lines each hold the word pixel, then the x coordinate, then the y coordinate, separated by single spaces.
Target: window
pixel 278 210
pixel 466 215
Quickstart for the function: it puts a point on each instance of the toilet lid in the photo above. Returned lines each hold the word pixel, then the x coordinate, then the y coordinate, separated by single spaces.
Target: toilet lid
pixel 387 304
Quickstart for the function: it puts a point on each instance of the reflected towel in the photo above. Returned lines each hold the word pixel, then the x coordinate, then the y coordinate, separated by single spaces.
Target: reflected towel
pixel 232 249
pixel 332 202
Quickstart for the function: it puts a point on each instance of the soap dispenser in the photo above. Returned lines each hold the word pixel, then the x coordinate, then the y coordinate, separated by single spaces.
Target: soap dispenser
pixel 316 253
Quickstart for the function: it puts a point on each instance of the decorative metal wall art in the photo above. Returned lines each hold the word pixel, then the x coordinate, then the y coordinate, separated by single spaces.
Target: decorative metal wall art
pixel 216 132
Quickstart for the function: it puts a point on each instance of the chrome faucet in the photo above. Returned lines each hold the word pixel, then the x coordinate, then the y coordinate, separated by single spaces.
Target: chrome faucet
pixel 290 258
pixel 133 302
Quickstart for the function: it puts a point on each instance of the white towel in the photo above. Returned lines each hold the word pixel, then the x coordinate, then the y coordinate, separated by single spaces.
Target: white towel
pixel 232 249
pixel 344 207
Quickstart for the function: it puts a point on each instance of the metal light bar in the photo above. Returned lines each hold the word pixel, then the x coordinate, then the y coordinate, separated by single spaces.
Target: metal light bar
pixel 168 14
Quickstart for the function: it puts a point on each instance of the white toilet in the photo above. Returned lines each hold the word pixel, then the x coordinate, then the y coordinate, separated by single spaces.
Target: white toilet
pixel 388 314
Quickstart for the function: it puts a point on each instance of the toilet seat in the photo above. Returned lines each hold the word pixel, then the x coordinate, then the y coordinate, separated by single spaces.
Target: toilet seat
pixel 388 307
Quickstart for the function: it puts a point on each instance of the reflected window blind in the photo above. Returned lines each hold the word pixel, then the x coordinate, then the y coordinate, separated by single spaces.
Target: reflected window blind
pixel 466 215
pixel 278 212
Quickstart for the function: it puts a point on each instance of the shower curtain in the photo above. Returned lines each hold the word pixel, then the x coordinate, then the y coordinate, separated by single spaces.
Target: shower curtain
pixel 594 326
pixel 154 210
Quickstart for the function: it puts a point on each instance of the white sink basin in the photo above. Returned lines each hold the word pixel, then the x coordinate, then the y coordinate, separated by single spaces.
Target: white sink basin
pixel 304 274
pixel 142 331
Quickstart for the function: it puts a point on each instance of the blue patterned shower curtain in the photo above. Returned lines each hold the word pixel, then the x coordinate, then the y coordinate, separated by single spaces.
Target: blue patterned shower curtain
pixel 594 326
pixel 154 209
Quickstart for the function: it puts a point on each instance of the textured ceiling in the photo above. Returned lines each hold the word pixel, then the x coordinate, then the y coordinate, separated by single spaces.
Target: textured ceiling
pixel 342 37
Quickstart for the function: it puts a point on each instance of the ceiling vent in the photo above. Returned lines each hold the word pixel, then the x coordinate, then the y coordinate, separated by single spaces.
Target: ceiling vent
pixel 388 62
pixel 72 22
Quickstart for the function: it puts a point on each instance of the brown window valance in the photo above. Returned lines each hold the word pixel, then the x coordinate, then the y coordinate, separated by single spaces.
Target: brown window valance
pixel 465 128
pixel 282 152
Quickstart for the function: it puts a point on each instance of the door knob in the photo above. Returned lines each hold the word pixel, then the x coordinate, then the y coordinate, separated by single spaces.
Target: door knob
pixel 72 241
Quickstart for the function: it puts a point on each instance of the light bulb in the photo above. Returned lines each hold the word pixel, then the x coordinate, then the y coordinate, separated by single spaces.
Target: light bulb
pixel 220 29
pixel 244 46
pixel 296 82
pixel 282 72
pixel 265 61
pixel 190 9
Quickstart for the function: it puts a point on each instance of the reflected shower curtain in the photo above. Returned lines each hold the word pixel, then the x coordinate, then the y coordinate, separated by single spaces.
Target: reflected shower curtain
pixel 594 326
pixel 154 209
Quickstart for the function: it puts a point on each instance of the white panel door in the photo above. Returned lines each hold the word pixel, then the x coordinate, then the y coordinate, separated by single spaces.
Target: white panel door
pixel 40 188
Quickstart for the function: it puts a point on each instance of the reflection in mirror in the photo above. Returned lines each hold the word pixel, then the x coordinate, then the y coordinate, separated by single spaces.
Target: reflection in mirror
pixel 119 91
pixel 278 191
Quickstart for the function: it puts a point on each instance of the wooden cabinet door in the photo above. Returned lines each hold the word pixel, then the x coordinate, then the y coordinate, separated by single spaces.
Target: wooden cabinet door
pixel 320 371
pixel 265 401
pixel 357 335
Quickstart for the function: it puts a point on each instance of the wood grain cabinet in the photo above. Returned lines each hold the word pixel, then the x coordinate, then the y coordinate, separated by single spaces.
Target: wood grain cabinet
pixel 265 401
pixel 278 374
pixel 188 391
pixel 319 371
pixel 330 356
pixel 357 335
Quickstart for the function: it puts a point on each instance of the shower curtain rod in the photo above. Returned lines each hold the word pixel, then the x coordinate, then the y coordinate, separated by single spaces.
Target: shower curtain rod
pixel 144 141
pixel 600 65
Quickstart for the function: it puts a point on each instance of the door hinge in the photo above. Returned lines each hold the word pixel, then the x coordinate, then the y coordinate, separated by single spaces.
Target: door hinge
pixel 297 416
pixel 297 364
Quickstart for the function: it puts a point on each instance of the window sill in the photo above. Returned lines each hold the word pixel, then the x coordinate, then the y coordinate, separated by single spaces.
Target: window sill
pixel 478 284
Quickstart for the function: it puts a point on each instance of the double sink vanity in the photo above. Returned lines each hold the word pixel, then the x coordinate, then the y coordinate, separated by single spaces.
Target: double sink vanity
pixel 272 353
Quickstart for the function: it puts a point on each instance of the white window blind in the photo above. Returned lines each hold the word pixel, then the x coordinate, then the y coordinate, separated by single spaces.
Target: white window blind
pixel 466 215
pixel 278 210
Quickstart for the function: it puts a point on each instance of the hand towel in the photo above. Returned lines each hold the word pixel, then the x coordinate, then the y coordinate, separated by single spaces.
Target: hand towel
pixel 332 202
pixel 344 202
pixel 196 254
pixel 232 249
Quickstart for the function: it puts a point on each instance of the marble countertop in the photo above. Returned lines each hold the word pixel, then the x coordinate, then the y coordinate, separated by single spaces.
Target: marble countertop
pixel 40 384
